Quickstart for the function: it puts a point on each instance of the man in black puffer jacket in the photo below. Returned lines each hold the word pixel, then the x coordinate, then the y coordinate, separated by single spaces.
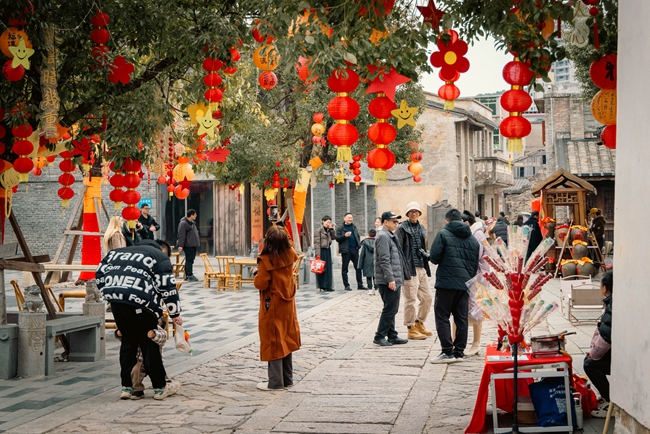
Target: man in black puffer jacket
pixel 139 283
pixel 455 251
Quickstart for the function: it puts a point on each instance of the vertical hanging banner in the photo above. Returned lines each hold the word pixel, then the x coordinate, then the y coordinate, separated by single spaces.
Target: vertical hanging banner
pixel 257 215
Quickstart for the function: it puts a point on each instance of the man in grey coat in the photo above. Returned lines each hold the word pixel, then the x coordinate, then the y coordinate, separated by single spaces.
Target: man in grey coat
pixel 390 273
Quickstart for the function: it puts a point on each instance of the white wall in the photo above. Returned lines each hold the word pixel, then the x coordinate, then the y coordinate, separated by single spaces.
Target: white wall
pixel 631 329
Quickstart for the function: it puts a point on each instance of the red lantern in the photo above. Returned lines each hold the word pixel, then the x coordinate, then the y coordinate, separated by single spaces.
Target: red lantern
pixel 100 19
pixel 22 147
pixel 130 165
pixel 13 74
pixel 608 136
pixel 382 133
pixel 343 107
pixel 24 166
pixel 517 73
pixel 66 193
pixel 22 131
pixel 381 159
pixel 416 156
pixel 449 92
pixel 212 95
pixel 417 178
pixel 603 72
pixel 131 197
pixel 212 80
pixel 381 107
pixel 268 80
pixel 343 135
pixel 212 65
pixel 100 36
pixel 341 81
pixel 162 179
pixel 516 100
pixel 514 127
pixel 131 214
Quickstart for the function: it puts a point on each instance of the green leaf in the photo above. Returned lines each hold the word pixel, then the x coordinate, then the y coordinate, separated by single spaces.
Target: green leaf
pixel 309 39
pixel 350 58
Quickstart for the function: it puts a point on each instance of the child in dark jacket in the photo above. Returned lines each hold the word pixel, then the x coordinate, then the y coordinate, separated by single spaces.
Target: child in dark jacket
pixel 367 260
pixel 598 360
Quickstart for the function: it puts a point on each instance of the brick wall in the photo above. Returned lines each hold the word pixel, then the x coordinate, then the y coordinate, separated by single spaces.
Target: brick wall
pixel 43 220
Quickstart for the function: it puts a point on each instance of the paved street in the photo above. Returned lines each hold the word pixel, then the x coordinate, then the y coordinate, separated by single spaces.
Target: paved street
pixel 345 384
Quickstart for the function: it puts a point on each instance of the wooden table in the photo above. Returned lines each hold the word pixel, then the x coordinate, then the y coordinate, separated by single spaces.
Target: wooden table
pixel 239 268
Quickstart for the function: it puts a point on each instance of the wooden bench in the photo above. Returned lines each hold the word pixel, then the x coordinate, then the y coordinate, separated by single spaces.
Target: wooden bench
pixel 84 336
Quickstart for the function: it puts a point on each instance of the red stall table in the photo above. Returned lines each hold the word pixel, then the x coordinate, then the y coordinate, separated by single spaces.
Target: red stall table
pixel 497 362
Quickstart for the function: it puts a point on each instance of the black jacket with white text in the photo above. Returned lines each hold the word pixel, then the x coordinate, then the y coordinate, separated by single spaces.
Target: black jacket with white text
pixel 140 276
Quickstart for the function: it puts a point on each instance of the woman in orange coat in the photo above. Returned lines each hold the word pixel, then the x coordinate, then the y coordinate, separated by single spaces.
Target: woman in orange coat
pixel 278 320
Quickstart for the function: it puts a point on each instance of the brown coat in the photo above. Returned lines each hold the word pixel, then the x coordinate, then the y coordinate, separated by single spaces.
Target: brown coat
pixel 278 324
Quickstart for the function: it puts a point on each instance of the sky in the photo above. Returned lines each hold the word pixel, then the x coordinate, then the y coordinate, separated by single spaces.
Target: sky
pixel 484 75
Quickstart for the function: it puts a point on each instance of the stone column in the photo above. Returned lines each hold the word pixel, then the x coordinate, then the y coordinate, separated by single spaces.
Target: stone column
pixel 98 309
pixel 31 344
pixel 8 351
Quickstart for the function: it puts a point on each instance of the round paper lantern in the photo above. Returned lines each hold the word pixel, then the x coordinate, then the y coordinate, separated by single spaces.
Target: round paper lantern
pixel 11 38
pixel 213 95
pixel 100 36
pixel 381 158
pixel 131 165
pixel 317 129
pixel 603 106
pixel 382 133
pixel 100 19
pixel 266 58
pixel 212 80
pixel 415 168
pixel 343 134
pixel 341 81
pixel 449 92
pixel 212 65
pixel 131 197
pixel 608 136
pixel 117 196
pixel 22 131
pixel 13 74
pixel 603 72
pixel 417 178
pixel 515 127
pixel 304 72
pixel 416 156
pixel 516 100
pixel 99 51
pixel 162 179
pixel 381 107
pixel 180 192
pixel 343 107
pixel 131 214
pixel 268 80
pixel 22 147
pixel 517 73
pixel 131 180
pixel 24 166
pixel 65 193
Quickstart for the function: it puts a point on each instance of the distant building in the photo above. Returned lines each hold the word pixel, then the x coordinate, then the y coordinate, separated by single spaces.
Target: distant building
pixel 461 164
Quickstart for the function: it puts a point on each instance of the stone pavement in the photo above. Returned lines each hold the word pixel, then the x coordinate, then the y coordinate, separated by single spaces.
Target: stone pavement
pixel 344 383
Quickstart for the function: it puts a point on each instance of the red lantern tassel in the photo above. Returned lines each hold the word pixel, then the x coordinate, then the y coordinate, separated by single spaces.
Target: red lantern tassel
pixel 596 42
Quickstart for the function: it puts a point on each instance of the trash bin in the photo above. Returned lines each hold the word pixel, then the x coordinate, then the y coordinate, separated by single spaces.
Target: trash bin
pixel 8 351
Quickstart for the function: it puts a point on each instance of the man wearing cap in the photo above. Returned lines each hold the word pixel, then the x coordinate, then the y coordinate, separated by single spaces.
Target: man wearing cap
pixel 597 226
pixel 411 235
pixel 390 273
pixel 455 251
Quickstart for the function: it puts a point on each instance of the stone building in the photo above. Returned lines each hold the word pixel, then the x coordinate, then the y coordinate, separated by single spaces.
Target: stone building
pixel 460 164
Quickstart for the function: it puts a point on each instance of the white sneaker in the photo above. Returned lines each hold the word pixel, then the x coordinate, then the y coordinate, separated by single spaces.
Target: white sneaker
pixel 264 385
pixel 170 389
pixel 601 411
pixel 445 358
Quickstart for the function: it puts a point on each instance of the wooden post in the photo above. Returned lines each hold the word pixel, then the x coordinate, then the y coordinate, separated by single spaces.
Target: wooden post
pixel 559 259
pixel 73 247
pixel 36 275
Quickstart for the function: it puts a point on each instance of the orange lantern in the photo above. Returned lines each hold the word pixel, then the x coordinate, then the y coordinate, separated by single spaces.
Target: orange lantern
pixel 603 106
pixel 266 58
pixel 11 38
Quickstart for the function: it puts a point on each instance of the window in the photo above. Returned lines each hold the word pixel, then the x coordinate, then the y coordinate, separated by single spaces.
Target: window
pixel 496 139
pixel 543 158
pixel 522 172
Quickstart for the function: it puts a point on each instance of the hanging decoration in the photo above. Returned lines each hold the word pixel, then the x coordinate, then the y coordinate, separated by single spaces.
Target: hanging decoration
pixel 305 74
pixel 603 73
pixel 120 71
pixel 355 167
pixel 343 109
pixel 184 174
pixel 15 44
pixel 131 197
pixel 117 182
pixel 451 60
pixel 516 101
pixel 206 123
pixel 268 80
pixel 415 167
pixel 213 81
pixel 404 115
pixel 386 83
pixel 23 148
pixel 51 102
pixel 100 36
pixel 431 14
pixel 267 59
pixel 67 179
pixel 318 129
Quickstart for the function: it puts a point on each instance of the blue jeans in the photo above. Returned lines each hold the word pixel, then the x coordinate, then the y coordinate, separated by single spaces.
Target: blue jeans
pixel 386 327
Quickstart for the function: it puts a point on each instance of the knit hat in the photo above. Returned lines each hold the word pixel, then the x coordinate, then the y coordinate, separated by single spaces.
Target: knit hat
pixel 413 206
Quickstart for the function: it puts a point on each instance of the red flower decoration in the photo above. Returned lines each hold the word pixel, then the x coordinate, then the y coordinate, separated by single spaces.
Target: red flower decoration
pixel 218 155
pixel 451 57
pixel 121 71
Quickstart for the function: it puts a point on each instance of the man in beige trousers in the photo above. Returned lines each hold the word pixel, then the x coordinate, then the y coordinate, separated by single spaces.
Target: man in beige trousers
pixel 412 235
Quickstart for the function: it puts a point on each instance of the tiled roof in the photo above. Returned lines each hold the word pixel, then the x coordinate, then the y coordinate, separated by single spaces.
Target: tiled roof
pixel 589 159
pixel 521 184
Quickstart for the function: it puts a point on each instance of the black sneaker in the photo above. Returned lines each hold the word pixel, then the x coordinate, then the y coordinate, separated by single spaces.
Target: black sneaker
pixel 362 288
pixel 347 288
pixel 382 343
pixel 139 394
pixel 398 341
pixel 192 279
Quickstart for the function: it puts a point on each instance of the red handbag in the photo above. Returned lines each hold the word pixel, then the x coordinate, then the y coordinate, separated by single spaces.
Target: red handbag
pixel 317 265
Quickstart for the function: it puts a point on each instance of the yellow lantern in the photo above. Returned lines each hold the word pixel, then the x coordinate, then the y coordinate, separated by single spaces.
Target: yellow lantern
pixel 266 58
pixel 317 129
pixel 183 170
pixel 415 168
pixel 603 106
